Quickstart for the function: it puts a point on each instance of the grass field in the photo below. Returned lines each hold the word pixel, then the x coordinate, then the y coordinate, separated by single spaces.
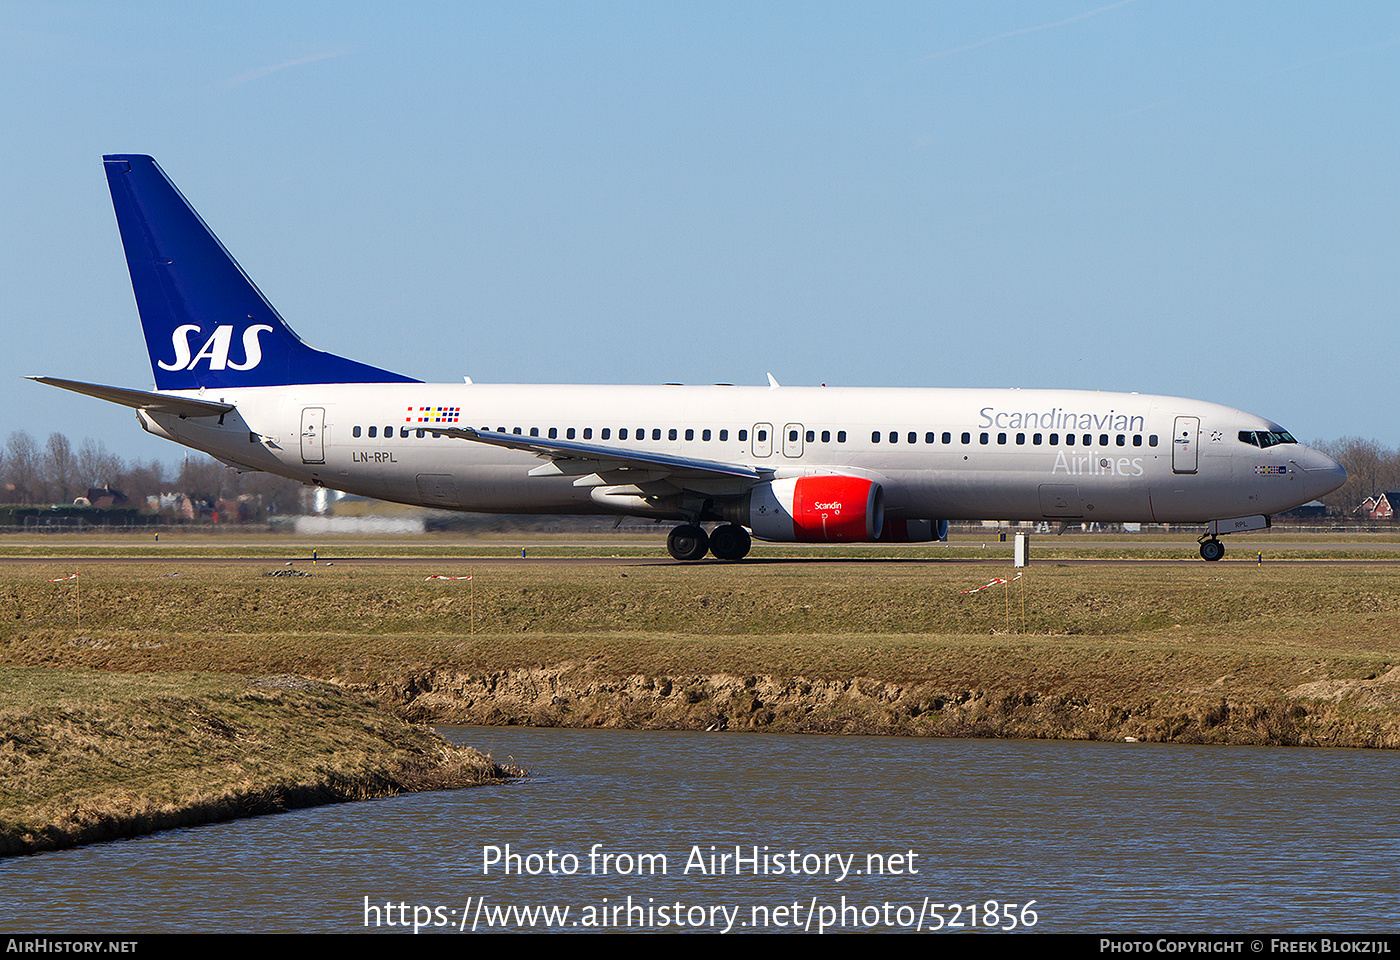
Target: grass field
pixel 148 692
pixel 1115 632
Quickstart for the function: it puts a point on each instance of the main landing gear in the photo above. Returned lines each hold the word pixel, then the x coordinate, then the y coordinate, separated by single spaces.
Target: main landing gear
pixel 1212 549
pixel 730 542
pixel 690 542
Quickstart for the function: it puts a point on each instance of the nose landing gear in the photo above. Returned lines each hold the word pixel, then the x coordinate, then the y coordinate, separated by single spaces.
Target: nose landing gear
pixel 1212 549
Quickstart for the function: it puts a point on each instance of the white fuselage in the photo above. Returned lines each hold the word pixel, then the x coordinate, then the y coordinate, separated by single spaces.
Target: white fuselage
pixel 946 454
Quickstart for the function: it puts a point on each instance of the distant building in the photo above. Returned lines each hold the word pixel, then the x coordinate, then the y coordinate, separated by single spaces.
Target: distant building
pixel 1380 507
pixel 105 496
pixel 1315 510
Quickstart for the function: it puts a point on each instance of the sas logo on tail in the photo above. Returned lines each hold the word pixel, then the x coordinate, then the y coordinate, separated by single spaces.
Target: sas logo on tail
pixel 215 349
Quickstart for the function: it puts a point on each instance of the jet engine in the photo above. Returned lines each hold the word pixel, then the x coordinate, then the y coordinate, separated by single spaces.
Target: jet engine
pixel 829 509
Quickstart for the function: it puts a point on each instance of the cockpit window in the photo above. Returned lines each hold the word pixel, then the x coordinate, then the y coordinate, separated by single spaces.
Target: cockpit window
pixel 1266 438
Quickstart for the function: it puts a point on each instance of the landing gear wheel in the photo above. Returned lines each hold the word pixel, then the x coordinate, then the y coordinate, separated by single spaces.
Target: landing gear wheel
pixel 687 542
pixel 1212 550
pixel 730 542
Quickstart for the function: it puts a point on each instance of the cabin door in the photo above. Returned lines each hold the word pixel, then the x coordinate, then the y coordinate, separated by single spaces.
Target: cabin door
pixel 1185 444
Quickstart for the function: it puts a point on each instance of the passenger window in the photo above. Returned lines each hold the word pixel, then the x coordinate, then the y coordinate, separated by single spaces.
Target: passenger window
pixel 1137 439
pixel 811 435
pixel 355 432
pixel 723 435
pixel 1037 438
pixel 1001 438
pixel 947 438
pixel 875 436
pixel 894 436
pixel 1069 439
pixel 588 433
pixel 705 434
pixel 689 434
pixel 1152 440
pixel 1020 439
pixel 967 438
pixel 826 436
pixel 656 433
pixel 762 436
pixel 913 437
pixel 1122 440
pixel 841 436
pixel 373 432
pixel 1054 439
pixel 607 433
pixel 1088 439
pixel 569 434
pixel 622 433
pixel 421 434
pixel 534 431
pixel 1103 439
pixel 403 432
pixel 516 431
pixel 984 437
pixel 553 433
pixel 743 435
pixel 930 438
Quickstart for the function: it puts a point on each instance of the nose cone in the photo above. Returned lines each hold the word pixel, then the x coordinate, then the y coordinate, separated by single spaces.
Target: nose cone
pixel 1321 474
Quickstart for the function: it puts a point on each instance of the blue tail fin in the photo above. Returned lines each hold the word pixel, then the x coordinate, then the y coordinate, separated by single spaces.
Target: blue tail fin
pixel 206 324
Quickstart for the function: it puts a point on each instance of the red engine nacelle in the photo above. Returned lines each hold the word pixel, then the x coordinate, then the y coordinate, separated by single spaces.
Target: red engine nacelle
pixel 817 510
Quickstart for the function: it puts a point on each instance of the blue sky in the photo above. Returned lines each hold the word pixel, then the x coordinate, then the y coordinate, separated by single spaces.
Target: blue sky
pixel 1197 199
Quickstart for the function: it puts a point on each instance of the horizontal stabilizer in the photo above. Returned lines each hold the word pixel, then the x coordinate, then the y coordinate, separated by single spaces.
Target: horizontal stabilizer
pixel 142 399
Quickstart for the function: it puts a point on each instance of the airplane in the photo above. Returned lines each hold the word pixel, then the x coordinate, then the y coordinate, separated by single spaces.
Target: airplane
pixel 780 464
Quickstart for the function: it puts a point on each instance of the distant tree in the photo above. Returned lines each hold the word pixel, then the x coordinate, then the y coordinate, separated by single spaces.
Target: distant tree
pixel 139 481
pixel 97 467
pixel 60 469
pixel 22 482
pixel 204 480
pixel 273 495
pixel 1371 469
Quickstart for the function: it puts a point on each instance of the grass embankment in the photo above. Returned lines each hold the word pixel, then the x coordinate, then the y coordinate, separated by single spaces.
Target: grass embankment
pixel 1227 652
pixel 89 756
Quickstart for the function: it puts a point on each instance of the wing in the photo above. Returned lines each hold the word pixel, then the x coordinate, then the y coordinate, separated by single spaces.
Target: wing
pixel 597 466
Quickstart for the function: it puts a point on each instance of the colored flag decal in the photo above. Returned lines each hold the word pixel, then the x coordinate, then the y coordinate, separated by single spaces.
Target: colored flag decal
pixel 433 415
pixel 1271 470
